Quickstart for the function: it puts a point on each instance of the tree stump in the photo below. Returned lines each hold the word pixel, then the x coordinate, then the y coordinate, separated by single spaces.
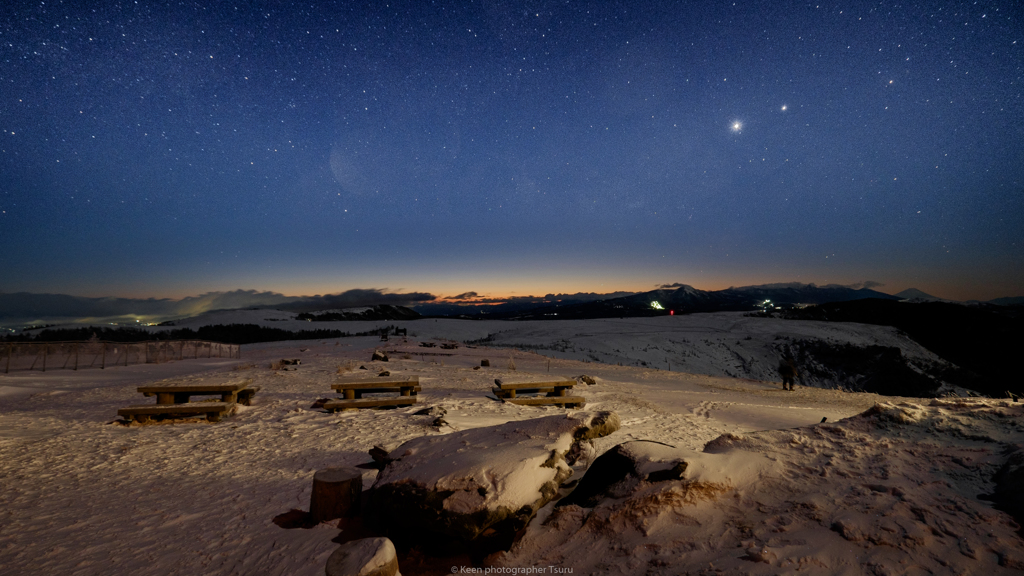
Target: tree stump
pixel 366 557
pixel 336 493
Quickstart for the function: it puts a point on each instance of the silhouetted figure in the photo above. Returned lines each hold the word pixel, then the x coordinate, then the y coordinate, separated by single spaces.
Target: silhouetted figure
pixel 787 369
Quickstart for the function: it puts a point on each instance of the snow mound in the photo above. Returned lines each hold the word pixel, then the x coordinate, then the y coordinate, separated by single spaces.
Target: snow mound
pixel 478 488
pixel 893 487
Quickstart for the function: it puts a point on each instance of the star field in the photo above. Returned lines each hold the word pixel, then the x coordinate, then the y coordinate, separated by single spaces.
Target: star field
pixel 149 149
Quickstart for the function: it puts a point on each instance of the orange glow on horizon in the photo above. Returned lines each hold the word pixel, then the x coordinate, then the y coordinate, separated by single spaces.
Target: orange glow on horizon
pixel 486 292
pixel 482 288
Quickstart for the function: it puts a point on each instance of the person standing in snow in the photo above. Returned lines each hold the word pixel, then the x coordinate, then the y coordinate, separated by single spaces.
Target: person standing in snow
pixel 787 369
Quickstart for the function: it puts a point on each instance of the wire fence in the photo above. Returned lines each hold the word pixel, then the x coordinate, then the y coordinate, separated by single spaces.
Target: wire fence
pixel 45 356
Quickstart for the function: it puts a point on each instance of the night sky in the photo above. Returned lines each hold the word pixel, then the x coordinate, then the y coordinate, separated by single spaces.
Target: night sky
pixel 168 149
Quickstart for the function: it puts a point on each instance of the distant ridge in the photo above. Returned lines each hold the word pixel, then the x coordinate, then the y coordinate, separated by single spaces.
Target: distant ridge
pixel 915 294
pixel 380 312
pixel 1011 301
pixel 21 308
pixel 687 300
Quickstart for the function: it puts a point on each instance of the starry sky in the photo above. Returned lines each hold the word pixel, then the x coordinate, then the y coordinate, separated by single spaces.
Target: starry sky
pixel 168 149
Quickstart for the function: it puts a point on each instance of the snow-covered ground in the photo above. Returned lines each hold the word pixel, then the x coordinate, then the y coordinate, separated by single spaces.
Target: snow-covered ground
pixel 890 492
pixel 716 344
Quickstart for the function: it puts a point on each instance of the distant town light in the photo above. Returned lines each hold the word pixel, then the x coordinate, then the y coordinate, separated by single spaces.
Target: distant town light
pixel 657 306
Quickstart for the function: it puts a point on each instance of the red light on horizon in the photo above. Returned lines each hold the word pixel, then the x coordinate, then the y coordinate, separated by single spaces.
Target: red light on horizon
pixel 671 312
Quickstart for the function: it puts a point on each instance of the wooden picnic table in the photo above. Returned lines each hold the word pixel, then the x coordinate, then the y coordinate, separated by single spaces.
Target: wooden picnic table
pixel 174 399
pixel 353 391
pixel 407 386
pixel 551 388
pixel 180 393
pixel 556 392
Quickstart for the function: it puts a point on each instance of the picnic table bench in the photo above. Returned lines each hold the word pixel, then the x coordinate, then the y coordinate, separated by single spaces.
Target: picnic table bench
pixel 174 399
pixel 353 390
pixel 143 412
pixel 556 392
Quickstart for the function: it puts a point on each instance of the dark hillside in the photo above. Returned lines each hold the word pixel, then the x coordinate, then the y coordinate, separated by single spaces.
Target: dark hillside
pixel 379 312
pixel 983 339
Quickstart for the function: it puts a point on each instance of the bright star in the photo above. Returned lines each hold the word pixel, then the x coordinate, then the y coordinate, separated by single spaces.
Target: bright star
pixel 783 107
pixel 736 126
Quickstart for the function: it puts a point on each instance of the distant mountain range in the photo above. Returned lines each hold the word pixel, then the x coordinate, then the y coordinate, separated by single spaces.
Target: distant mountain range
pixel 24 308
pixel 21 309
pixel 509 307
pixel 683 299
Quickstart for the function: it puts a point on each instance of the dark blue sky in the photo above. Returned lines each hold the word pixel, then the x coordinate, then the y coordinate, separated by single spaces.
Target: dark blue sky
pixel 510 147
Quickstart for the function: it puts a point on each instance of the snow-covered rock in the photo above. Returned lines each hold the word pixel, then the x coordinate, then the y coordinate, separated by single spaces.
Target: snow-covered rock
pixel 477 489
pixel 618 472
pixel 365 557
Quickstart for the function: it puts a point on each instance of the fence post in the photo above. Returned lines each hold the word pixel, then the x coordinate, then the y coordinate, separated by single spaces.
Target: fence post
pixel 45 350
pixel 103 358
pixel 10 350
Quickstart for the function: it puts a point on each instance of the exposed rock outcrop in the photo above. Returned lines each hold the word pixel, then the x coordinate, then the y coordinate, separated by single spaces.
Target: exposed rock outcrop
pixel 1008 482
pixel 619 470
